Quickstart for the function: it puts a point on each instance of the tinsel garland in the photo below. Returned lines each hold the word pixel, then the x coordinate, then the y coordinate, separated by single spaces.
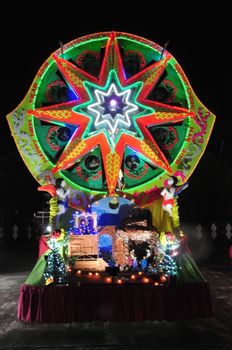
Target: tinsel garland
pixel 53 202
pixel 175 213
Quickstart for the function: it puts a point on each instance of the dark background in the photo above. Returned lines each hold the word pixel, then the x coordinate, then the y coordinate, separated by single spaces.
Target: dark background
pixel 198 41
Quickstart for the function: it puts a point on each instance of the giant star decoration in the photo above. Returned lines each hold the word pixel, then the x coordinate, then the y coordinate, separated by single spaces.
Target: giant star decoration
pixel 97 120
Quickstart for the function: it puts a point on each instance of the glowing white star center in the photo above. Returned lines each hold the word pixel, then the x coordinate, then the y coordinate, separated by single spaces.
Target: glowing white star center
pixel 113 109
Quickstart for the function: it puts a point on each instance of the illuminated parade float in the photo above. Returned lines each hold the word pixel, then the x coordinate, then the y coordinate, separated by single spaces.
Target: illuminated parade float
pixel 112 130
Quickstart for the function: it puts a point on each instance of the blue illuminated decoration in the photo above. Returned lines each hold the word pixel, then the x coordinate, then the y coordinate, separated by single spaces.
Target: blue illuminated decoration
pixel 83 223
pixel 105 247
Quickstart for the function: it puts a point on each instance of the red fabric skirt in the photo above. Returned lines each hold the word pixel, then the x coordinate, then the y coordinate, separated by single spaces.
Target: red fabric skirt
pixel 122 303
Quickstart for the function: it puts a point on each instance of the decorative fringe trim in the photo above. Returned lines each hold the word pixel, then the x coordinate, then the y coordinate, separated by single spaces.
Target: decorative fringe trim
pixel 175 213
pixel 53 202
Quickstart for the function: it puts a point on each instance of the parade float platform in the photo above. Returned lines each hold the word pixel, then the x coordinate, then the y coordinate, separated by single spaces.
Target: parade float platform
pixel 113 293
pixel 126 302
pixel 111 122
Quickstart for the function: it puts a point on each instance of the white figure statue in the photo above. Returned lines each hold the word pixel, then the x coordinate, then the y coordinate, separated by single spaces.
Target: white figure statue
pixel 168 196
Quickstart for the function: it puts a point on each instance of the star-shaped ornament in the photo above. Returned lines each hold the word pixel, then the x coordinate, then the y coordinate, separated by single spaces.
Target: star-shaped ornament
pixel 113 112
pixel 113 109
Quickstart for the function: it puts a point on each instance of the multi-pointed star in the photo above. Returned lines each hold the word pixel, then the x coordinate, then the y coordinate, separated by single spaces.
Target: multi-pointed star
pixel 113 109
pixel 95 114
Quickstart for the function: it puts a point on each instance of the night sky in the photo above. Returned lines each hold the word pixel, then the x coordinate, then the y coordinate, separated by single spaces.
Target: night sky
pixel 198 42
